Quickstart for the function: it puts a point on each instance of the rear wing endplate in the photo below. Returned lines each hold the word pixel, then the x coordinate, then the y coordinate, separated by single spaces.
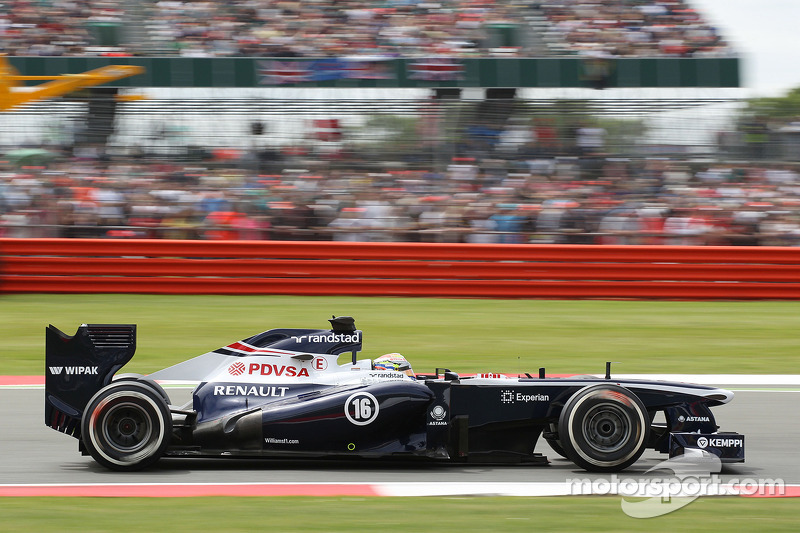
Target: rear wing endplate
pixel 78 366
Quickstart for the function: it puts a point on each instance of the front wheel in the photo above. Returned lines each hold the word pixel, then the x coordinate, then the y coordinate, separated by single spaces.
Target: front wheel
pixel 126 426
pixel 604 428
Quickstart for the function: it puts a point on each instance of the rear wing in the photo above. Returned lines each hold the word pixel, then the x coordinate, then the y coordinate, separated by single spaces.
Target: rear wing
pixel 78 366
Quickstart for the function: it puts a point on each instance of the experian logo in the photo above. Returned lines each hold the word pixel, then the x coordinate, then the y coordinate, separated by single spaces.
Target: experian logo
pixel 509 396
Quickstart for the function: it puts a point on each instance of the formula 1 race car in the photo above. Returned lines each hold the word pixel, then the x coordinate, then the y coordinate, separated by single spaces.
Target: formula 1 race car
pixel 283 393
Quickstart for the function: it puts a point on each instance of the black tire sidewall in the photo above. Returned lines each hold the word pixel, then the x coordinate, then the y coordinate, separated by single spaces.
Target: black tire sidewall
pixel 592 400
pixel 139 378
pixel 140 397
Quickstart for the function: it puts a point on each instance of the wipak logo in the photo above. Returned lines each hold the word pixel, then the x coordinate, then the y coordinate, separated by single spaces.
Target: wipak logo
pixel 73 370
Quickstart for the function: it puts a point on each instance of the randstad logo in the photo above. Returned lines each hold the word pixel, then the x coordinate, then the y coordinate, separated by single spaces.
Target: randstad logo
pixel 329 337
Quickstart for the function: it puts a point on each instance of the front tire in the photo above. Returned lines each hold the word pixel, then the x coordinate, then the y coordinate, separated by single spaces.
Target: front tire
pixel 604 428
pixel 126 426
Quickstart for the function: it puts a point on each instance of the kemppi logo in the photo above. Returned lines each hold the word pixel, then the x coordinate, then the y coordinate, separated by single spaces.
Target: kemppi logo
pixel 718 442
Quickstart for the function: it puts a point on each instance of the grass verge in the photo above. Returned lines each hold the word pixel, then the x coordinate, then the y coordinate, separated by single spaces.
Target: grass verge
pixel 584 514
pixel 463 334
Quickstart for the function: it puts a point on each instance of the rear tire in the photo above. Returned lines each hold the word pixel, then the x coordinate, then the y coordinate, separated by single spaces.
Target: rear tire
pixel 139 378
pixel 604 428
pixel 126 426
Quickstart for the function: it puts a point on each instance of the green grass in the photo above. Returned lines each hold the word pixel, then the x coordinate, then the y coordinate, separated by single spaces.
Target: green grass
pixel 465 335
pixel 601 514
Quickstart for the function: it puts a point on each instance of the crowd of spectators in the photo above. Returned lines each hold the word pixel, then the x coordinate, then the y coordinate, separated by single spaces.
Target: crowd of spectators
pixel 548 200
pixel 330 28
pixel 498 194
pixel 264 28
pixel 54 27
pixel 620 28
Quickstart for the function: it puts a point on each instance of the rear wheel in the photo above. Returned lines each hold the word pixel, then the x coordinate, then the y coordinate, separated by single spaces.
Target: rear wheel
pixel 604 428
pixel 138 378
pixel 126 426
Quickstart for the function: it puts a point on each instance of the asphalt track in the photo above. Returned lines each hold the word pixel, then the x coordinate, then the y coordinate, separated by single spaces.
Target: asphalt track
pixel 33 454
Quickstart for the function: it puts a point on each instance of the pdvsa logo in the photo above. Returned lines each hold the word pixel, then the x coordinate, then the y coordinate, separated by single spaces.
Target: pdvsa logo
pixel 237 369
pixel 265 369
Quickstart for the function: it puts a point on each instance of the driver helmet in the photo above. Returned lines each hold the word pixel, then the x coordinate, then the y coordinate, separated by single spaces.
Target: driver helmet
pixel 393 361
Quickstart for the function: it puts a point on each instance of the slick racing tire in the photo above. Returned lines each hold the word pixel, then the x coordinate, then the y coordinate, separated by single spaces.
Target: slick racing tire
pixel 144 381
pixel 126 426
pixel 604 428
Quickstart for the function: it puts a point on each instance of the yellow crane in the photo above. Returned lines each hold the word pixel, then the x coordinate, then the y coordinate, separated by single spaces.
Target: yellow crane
pixel 13 94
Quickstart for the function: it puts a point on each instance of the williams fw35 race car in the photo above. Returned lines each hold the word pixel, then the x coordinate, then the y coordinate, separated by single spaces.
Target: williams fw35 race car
pixel 284 393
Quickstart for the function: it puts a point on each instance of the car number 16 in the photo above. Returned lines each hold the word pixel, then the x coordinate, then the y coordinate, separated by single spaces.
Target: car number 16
pixel 361 408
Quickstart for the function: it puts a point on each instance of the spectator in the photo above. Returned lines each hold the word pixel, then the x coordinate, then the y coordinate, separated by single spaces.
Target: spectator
pixel 641 202
pixel 328 28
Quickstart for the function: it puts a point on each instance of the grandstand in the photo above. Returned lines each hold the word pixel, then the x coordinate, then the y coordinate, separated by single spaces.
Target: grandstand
pixel 327 28
pixel 440 121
